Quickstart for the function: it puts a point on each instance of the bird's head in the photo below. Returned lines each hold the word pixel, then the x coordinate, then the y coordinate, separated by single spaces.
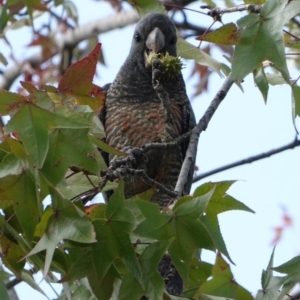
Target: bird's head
pixel 156 34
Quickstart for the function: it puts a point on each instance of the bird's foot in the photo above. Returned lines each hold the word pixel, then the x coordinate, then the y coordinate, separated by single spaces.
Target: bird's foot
pixel 120 167
pixel 131 166
pixel 157 70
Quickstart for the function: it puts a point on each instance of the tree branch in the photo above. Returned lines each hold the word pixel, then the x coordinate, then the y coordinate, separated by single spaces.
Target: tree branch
pixel 220 11
pixel 71 38
pixel 249 160
pixel 12 283
pixel 201 126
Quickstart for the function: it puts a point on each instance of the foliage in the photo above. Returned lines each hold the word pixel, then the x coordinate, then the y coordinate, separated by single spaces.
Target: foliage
pixel 104 242
pixel 50 160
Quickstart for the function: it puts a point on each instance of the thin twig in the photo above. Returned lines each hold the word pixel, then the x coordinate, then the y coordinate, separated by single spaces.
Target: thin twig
pixel 243 7
pixel 87 195
pixel 151 182
pixel 60 19
pixel 290 34
pixel 248 160
pixel 90 181
pixel 12 283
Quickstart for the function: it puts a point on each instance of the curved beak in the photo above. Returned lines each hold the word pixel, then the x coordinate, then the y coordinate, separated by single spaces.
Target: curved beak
pixel 155 41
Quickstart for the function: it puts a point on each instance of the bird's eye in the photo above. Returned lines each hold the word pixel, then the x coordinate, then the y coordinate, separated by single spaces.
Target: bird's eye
pixel 137 37
pixel 173 40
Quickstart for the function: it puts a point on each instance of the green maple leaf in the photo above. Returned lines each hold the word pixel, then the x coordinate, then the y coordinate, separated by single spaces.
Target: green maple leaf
pixel 66 222
pixel 261 81
pixel 194 229
pixel 3 291
pixel 31 123
pixel 113 237
pixel 155 225
pixel 10 102
pixel 262 38
pixel 69 147
pixel 103 288
pixel 154 284
pixel 13 157
pixel 270 283
pixel 220 201
pixel 199 272
pixel 223 283
pixel 191 224
pixel 189 51
pixel 21 191
pixel 296 100
pixel 147 6
pixel 187 224
pixel 292 269
pixel 225 35
pixel 80 265
pixel 12 255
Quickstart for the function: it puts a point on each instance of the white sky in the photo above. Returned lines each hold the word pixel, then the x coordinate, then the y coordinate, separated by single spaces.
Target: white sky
pixel 242 126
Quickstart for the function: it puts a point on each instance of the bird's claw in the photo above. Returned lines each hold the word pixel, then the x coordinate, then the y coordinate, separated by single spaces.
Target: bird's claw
pixel 157 70
pixel 157 64
pixel 156 75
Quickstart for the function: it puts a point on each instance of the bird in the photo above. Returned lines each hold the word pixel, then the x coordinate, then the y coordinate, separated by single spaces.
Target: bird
pixel 143 106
